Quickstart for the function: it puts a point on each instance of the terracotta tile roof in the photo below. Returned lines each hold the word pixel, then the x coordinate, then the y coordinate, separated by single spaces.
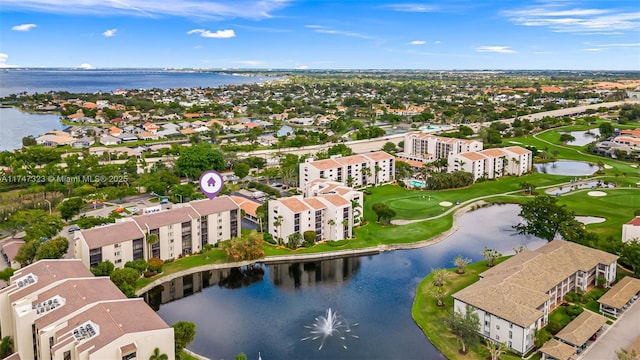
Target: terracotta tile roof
pixel 580 329
pixel 635 221
pixel 351 160
pixel 100 236
pixel 412 163
pixel 558 349
pixel 552 89
pixel 325 164
pixel 48 272
pixel 217 205
pixel 493 152
pixel 77 293
pixel 315 203
pixel 518 150
pixel 621 293
pixel 114 319
pixel 473 156
pixel 378 156
pixel 165 217
pixel 294 204
pixel 249 206
pixel 10 248
pixel 336 200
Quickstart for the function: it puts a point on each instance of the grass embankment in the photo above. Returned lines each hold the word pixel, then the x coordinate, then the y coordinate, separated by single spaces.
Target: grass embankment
pixel 427 314
pixel 214 256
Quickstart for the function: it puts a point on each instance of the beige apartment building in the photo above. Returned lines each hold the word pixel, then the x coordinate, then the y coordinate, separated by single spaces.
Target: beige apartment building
pixel 492 163
pixel 328 208
pixel 182 230
pixel 427 148
pixel 514 298
pixel 56 309
pixel 370 169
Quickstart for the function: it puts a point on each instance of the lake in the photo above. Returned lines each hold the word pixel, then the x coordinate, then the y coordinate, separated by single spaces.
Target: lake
pixel 14 125
pixel 266 308
pixel 583 137
pixel 567 167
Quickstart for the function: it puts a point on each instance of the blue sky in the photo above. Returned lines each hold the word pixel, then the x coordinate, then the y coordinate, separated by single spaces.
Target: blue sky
pixel 357 34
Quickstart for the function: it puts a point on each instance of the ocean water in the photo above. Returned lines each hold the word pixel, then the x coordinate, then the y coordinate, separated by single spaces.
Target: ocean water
pixel 15 81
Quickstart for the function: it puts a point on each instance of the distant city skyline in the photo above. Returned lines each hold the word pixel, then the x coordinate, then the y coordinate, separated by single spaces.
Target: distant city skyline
pixel 306 34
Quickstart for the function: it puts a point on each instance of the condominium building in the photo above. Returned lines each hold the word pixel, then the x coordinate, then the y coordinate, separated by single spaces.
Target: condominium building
pixel 329 209
pixel 514 299
pixel 182 230
pixel 356 171
pixel 427 148
pixel 631 230
pixel 492 163
pixel 56 309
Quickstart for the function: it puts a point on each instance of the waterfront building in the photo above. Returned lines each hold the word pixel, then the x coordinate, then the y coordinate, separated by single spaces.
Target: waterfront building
pixel 427 148
pixel 56 309
pixel 370 169
pixel 181 230
pixel 514 299
pixel 329 208
pixel 631 230
pixel 492 163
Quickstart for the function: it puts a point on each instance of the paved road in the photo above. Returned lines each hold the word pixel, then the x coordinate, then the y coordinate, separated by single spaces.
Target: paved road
pixel 620 335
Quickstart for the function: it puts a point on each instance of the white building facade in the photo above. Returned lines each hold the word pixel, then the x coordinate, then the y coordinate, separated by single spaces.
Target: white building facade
pixel 370 169
pixel 426 148
pixel 492 163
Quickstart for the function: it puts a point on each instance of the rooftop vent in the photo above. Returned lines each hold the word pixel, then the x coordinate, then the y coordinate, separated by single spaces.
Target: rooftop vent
pixel 85 331
pixel 26 280
pixel 48 305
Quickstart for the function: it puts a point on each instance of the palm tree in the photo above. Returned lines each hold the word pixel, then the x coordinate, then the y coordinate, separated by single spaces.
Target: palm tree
pixel 461 263
pixel 366 172
pixel 331 223
pixel 440 276
pixel 278 224
pixel 439 293
pixel 157 355
pixel 152 239
pixel 377 170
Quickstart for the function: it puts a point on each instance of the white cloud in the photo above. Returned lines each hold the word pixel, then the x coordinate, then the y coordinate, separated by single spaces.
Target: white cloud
pixel 302 67
pixel 620 45
pixel 412 7
pixel 220 34
pixel 418 42
pixel 3 61
pixel 594 49
pixel 437 42
pixel 496 49
pixel 23 27
pixel 86 66
pixel 558 18
pixel 247 9
pixel 110 32
pixel 325 30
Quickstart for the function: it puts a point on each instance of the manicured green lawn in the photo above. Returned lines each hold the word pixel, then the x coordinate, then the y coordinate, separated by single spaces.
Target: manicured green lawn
pixel 214 256
pixel 427 315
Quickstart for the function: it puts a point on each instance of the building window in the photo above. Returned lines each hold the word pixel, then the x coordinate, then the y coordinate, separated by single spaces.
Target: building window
pixel 129 356
pixel 510 344
pixel 486 323
pixel 510 334
pixel 497 337
pixel 67 355
pixel 498 327
pixel 510 326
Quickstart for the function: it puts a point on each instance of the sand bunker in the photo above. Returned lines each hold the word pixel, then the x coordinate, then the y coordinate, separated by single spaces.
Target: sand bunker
pixel 597 193
pixel 608 166
pixel 446 203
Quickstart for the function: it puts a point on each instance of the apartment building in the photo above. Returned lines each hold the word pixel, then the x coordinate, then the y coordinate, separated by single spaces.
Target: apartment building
pixel 56 309
pixel 427 148
pixel 356 171
pixel 492 163
pixel 328 208
pixel 514 299
pixel 182 230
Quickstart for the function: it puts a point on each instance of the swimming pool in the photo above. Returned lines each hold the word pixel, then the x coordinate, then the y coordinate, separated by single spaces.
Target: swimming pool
pixel 416 183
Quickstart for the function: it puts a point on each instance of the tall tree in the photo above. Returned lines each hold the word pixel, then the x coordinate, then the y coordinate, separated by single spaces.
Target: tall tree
pixel 198 158
pixel 53 249
pixel 464 327
pixel 491 255
pixel 157 355
pixel 241 170
pixel 544 217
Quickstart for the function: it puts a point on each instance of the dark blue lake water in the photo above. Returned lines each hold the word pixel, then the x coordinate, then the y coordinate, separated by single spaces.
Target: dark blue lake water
pixel 14 81
pixel 265 309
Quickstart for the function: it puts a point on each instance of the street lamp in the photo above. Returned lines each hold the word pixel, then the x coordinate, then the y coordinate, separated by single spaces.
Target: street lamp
pixel 48 202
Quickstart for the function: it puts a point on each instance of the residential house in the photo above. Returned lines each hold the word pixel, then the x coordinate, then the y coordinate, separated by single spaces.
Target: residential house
pixel 373 168
pixel 631 230
pixel 248 207
pixel 57 309
pixel 128 137
pixel 115 131
pixel 150 127
pixel 514 299
pixel 146 135
pixel 182 230
pixel 9 251
pixel 84 142
pixel 107 140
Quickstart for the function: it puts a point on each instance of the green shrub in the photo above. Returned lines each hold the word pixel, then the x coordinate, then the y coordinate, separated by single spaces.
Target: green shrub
pixel 574 310
pixel 554 327
pixel 155 265
pixel 268 238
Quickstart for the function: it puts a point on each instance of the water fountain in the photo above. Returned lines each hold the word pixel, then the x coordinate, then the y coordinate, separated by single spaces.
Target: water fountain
pixel 329 325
